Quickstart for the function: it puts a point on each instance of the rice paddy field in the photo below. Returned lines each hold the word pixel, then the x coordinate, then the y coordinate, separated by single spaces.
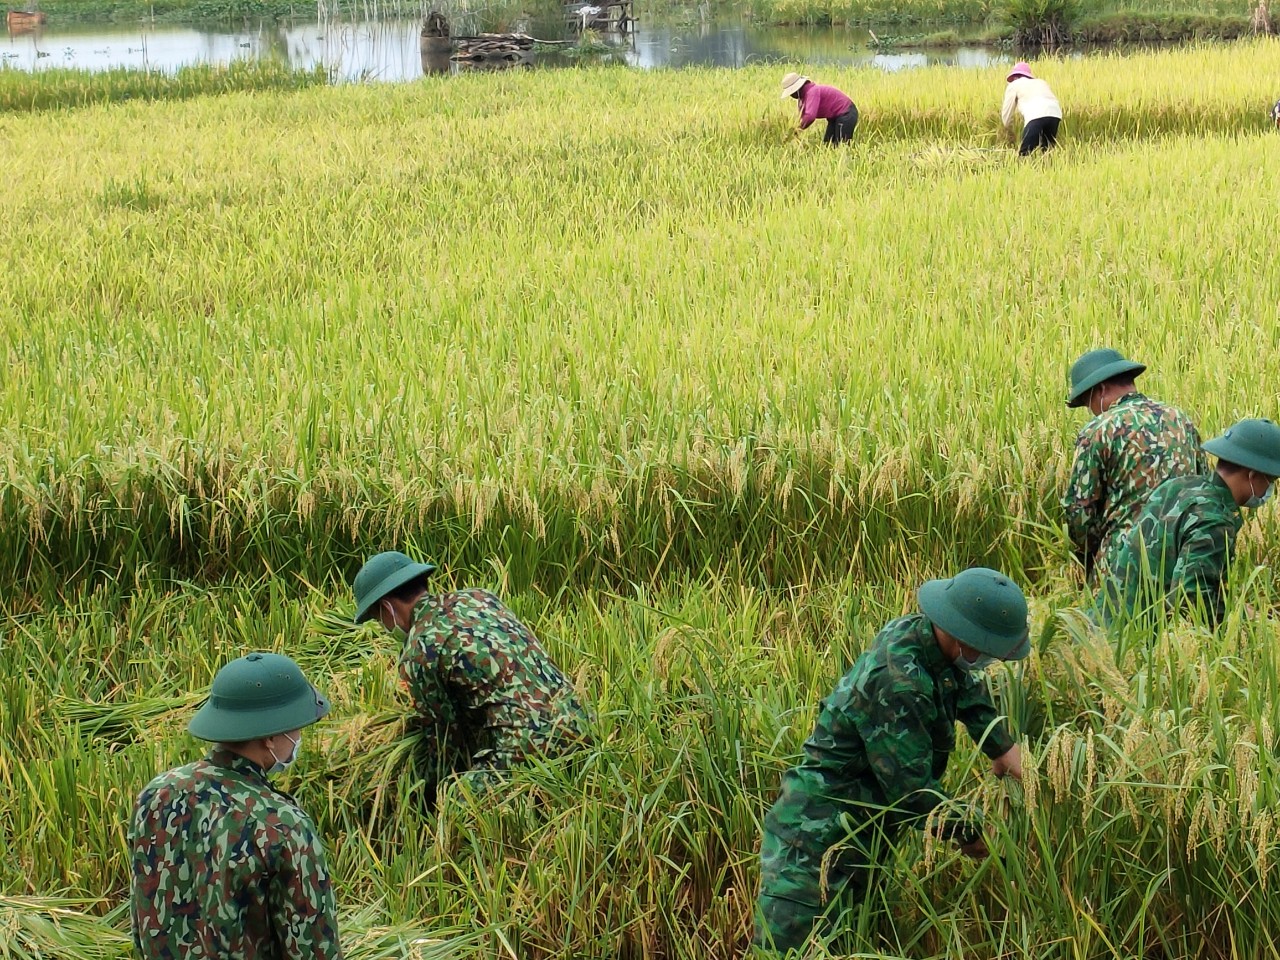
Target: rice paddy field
pixel 706 405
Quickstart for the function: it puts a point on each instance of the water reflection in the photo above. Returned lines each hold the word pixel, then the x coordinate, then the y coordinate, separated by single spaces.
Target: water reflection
pixel 391 49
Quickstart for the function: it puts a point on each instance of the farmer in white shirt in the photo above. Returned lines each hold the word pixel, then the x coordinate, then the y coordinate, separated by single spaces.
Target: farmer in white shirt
pixel 1041 113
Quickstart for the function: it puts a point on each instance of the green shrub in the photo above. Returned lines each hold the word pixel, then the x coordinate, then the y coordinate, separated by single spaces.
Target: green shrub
pixel 1043 22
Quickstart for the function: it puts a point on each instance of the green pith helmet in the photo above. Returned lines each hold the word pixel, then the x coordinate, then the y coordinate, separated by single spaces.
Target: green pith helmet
pixel 259 695
pixel 380 575
pixel 1095 367
pixel 981 608
pixel 1252 443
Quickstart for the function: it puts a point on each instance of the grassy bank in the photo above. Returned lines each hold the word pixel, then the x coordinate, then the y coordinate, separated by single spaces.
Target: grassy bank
pixel 706 404
pixel 1161 19
pixel 1111 28
pixel 25 92
pixel 214 10
pixel 1170 27
pixel 1169 13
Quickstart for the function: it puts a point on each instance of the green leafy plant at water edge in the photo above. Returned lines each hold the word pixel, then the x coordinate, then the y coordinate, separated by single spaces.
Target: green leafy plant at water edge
pixel 1041 22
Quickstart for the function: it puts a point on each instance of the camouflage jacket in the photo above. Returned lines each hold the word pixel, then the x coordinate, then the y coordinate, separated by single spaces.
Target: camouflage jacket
pixel 883 739
pixel 482 683
pixel 1178 551
pixel 1121 457
pixel 227 868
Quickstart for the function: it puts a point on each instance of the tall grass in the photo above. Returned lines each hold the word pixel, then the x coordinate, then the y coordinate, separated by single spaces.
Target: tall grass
pixel 704 404
pixel 1147 803
pixel 22 92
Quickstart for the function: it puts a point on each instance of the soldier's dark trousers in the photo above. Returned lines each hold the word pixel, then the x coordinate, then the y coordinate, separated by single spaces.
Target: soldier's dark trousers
pixel 795 902
pixel 840 129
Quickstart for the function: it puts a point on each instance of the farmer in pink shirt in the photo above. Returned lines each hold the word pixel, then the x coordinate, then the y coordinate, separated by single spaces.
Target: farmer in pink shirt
pixel 818 102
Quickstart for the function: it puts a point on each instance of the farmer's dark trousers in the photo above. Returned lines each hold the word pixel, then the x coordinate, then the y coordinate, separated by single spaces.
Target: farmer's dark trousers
pixel 1039 134
pixel 840 129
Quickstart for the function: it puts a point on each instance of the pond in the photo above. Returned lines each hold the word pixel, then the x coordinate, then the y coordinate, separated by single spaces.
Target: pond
pixel 388 50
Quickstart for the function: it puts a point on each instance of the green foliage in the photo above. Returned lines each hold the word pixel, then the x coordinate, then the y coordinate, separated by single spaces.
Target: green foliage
pixel 1041 22
pixel 836 12
pixel 221 11
pixel 1130 27
pixel 891 13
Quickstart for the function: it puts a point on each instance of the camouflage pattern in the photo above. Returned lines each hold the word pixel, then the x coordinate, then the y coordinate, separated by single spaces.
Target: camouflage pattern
pixel 1121 457
pixel 871 767
pixel 482 683
pixel 227 868
pixel 1176 554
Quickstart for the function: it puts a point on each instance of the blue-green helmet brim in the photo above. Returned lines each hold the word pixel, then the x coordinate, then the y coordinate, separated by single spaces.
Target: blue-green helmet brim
pixel 942 612
pixel 217 724
pixel 393 581
pixel 1251 443
pixel 1080 389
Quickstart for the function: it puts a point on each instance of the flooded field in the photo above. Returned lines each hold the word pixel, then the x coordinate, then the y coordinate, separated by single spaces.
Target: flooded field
pixel 388 50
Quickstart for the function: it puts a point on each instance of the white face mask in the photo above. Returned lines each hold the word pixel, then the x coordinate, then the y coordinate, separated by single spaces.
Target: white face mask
pixel 1096 394
pixel 397 631
pixel 1255 501
pixel 973 666
pixel 282 765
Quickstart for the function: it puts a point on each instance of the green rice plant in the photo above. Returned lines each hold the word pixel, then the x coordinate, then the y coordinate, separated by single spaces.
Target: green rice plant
pixel 34 928
pixel 705 406
pixel 1146 802
pixel 246 419
pixel 65 88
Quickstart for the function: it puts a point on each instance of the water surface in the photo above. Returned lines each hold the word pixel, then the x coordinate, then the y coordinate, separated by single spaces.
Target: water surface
pixel 388 50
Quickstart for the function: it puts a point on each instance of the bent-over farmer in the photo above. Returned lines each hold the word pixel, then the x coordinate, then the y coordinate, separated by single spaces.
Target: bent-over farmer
pixel 225 865
pixel 1131 446
pixel 483 688
pixel 1041 112
pixel 881 744
pixel 820 102
pixel 1178 553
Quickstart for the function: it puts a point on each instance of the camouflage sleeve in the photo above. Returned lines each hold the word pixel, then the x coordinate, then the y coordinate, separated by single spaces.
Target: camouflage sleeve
pixel 420 670
pixel 1200 571
pixel 300 898
pixel 1082 503
pixel 1202 458
pixel 895 732
pixel 978 714
pixel 142 889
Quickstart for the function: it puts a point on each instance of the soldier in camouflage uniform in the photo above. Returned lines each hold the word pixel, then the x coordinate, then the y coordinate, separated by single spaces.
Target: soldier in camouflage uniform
pixel 1131 446
pixel 225 867
pixel 482 686
pixel 874 761
pixel 1179 551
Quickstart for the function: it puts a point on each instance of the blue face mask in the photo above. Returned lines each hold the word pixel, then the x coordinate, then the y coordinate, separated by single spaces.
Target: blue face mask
pixel 1255 501
pixel 280 766
pixel 973 666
